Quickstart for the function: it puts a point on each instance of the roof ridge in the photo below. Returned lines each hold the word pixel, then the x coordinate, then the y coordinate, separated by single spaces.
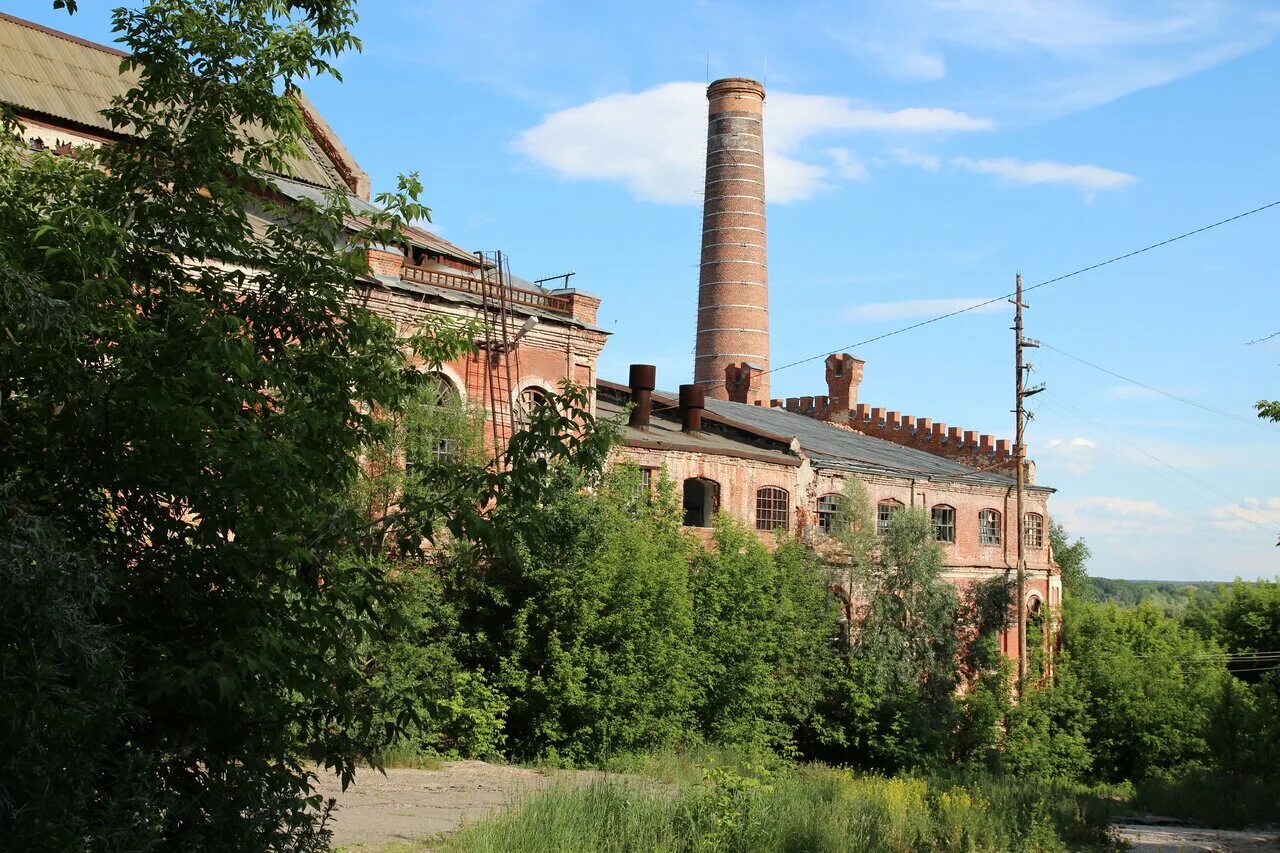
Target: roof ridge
pixel 50 31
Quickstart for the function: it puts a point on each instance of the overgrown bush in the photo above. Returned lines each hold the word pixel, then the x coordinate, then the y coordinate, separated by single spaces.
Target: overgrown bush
pixel 762 621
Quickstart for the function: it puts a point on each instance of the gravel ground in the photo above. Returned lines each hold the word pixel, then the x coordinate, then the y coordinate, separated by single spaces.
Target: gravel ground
pixel 418 805
pixel 1145 838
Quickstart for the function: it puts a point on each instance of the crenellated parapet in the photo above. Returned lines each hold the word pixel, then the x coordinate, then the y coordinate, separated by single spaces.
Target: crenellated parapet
pixel 968 447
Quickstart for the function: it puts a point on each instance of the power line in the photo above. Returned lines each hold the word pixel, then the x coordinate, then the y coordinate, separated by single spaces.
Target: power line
pixel 1260 340
pixel 1045 283
pixel 1207 408
pixel 1084 420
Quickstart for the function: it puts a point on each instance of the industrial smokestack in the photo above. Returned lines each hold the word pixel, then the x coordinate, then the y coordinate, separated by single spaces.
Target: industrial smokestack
pixel 733 283
pixel 642 382
pixel 692 401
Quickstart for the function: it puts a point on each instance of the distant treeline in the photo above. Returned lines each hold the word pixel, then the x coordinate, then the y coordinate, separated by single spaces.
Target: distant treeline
pixel 1173 597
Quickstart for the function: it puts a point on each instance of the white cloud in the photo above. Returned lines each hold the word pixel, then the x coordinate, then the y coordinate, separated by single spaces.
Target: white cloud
pixel 1247 515
pixel 1087 178
pixel 652 142
pixel 1111 514
pixel 1070 54
pixel 1075 455
pixel 847 164
pixel 907 157
pixel 906 309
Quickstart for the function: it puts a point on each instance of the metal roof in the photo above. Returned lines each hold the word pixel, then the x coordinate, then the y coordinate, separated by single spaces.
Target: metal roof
pixel 830 446
pixel 54 74
pixel 360 207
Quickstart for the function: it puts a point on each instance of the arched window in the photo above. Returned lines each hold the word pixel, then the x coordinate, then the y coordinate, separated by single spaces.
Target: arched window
pixel 773 508
pixel 433 422
pixel 944 523
pixel 828 512
pixel 884 514
pixel 1033 530
pixel 989 527
pixel 701 501
pixel 530 398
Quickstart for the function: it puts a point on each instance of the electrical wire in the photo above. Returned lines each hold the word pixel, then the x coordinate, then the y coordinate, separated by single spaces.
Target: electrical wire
pixel 1260 340
pixel 1045 283
pixel 1207 408
pixel 1195 487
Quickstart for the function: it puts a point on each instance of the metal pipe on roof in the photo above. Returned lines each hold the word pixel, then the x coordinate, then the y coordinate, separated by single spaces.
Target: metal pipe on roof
pixel 693 399
pixel 642 379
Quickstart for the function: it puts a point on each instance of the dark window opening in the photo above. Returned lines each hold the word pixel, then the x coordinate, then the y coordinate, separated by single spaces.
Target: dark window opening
pixel 701 501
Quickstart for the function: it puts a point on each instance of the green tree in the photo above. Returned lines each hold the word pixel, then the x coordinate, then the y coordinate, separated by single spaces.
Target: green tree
pixel 583 624
pixel 761 625
pixel 1149 685
pixel 189 384
pixel 1071 558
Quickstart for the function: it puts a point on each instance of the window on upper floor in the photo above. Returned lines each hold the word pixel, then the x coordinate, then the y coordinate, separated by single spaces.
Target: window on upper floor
pixel 701 501
pixel 1033 530
pixel 944 523
pixel 434 423
pixel 989 527
pixel 828 513
pixel 884 514
pixel 773 508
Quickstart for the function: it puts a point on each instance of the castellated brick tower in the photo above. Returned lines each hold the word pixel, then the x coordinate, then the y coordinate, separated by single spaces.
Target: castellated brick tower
pixel 732 352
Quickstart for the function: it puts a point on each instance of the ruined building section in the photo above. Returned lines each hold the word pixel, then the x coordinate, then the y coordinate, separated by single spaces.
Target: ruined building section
pixel 840 406
pixel 732 351
pixel 529 339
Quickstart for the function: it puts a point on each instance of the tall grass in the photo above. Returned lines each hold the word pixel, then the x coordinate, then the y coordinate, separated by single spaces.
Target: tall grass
pixel 798 809
pixel 1219 800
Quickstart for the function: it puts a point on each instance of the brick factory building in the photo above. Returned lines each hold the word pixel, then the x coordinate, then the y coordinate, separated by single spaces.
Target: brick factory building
pixel 782 464
pixel 774 464
pixel 533 338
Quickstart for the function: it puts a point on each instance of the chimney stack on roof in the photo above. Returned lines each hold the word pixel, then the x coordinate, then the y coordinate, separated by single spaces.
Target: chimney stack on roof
pixel 642 381
pixel 692 402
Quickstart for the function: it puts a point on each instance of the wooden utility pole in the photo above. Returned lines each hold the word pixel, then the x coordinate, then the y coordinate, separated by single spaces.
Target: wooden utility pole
pixel 1020 458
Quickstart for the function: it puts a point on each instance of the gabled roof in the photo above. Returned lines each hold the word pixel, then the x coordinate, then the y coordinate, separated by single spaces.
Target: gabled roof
pixel 60 78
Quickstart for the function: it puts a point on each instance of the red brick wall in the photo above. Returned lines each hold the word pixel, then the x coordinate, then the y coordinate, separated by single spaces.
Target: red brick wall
pixel 733 282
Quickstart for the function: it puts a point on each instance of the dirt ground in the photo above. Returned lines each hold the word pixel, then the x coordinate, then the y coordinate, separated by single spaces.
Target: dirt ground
pixel 1145 838
pixel 407 806
pixel 417 805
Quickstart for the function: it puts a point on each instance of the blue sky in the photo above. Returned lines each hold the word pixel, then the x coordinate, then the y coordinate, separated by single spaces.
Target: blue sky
pixel 919 155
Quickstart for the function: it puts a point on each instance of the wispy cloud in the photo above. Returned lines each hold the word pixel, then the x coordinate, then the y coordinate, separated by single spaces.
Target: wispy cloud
pixel 651 142
pixel 907 157
pixel 1075 53
pixel 1092 515
pixel 909 309
pixel 848 165
pixel 1248 514
pixel 1076 455
pixel 1082 177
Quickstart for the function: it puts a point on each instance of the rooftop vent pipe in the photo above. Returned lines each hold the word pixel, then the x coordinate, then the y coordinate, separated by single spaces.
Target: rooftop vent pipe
pixel 641 380
pixel 693 399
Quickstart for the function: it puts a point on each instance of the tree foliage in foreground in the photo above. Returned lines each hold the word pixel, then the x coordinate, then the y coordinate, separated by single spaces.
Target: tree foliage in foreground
pixel 189 393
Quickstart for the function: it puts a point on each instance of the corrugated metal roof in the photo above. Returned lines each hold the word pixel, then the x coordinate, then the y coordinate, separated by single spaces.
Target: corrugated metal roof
pixel 360 207
pixel 832 447
pixel 63 77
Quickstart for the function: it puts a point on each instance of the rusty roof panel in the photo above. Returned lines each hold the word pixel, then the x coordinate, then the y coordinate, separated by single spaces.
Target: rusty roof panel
pixel 58 75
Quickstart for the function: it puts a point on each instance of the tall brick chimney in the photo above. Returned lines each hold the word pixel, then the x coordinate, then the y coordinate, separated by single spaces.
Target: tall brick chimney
pixel 733 285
